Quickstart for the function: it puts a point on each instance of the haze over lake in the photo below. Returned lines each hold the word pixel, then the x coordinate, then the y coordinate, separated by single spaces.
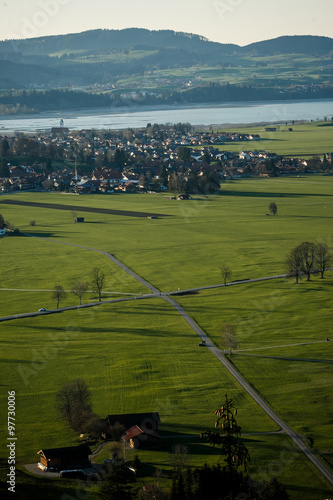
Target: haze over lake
pixel 136 117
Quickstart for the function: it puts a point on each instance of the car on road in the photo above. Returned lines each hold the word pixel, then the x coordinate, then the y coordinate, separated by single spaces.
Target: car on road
pixel 41 309
pixel 73 474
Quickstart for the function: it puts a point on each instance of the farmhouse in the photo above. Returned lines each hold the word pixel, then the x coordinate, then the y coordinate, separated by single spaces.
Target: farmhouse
pixel 136 437
pixel 140 429
pixel 62 458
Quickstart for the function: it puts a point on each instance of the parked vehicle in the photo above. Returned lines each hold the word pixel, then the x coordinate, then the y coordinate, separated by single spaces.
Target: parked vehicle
pixel 73 474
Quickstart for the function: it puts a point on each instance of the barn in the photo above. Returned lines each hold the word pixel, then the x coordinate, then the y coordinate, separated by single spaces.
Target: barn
pixel 62 458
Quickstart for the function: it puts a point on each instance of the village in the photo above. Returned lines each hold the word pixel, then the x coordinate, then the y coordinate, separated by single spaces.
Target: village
pixel 156 158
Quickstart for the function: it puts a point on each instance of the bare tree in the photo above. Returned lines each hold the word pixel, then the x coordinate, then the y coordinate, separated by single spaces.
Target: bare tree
pixel 293 263
pixel 308 262
pixel 228 337
pixel 179 457
pixel 80 288
pixel 97 281
pixel 73 402
pixel 226 273
pixel 273 208
pixel 58 294
pixel 323 258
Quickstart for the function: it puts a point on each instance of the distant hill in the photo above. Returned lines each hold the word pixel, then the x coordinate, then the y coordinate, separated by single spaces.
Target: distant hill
pixel 310 45
pixel 106 40
pixel 103 40
pixel 161 67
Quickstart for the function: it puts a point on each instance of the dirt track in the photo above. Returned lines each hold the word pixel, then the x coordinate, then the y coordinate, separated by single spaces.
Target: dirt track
pixel 75 208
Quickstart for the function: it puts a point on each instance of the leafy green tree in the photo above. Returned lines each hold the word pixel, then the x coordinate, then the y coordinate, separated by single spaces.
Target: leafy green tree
pixel 273 208
pixel 4 169
pixel 206 158
pixel 227 438
pixel 120 157
pixel 4 148
pixel 163 176
pixel 184 154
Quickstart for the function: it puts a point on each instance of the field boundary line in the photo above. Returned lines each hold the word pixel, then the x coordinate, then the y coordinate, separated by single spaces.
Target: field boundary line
pixel 297 439
pixel 283 358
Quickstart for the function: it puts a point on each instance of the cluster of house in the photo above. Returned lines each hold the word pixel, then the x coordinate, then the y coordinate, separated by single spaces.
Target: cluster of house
pixel 144 157
pixel 140 431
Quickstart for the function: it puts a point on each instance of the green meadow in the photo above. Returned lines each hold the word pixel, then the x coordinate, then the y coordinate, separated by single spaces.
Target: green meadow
pixel 304 140
pixel 140 355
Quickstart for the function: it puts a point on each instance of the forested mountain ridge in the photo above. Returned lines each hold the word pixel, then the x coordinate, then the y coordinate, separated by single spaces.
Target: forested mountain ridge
pixel 160 67
pixel 136 38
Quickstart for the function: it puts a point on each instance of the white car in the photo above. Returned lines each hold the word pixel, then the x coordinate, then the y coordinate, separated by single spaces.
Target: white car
pixel 41 309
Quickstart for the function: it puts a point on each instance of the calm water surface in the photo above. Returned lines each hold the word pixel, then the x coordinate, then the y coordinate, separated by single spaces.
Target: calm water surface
pixel 220 114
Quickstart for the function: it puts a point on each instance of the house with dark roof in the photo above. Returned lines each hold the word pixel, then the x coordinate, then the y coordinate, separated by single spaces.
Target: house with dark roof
pixel 62 458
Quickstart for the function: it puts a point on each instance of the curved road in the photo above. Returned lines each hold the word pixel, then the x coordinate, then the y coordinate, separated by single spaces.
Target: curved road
pixel 297 439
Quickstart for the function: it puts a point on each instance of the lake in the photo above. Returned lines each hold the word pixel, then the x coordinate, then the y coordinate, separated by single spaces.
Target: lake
pixel 136 117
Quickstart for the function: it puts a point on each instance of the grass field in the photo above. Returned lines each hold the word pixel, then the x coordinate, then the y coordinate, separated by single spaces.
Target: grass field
pixel 278 70
pixel 304 141
pixel 140 355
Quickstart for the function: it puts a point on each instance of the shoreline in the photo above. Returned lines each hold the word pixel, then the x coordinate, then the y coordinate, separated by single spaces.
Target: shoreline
pixel 201 116
pixel 112 110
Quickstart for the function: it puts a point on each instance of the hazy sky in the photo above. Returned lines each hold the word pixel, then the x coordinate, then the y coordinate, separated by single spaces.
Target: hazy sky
pixel 226 21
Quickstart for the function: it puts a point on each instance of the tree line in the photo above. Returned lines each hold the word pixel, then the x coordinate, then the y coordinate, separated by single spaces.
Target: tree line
pixel 308 259
pixel 80 287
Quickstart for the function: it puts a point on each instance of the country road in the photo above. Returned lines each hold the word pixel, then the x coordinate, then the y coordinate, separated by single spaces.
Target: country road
pixel 297 439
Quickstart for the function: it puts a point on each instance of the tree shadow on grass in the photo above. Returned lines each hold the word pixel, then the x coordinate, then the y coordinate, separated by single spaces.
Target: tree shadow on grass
pixel 258 194
pixel 96 330
pixel 42 234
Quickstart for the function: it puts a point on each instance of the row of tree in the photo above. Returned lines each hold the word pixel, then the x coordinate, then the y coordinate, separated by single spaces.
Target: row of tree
pixel 306 259
pixel 80 287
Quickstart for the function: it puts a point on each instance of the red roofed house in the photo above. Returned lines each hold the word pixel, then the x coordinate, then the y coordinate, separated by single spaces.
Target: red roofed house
pixel 136 437
pixel 141 429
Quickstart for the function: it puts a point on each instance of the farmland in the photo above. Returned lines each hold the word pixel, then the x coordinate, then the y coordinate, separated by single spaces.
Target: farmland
pixel 302 141
pixel 140 355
